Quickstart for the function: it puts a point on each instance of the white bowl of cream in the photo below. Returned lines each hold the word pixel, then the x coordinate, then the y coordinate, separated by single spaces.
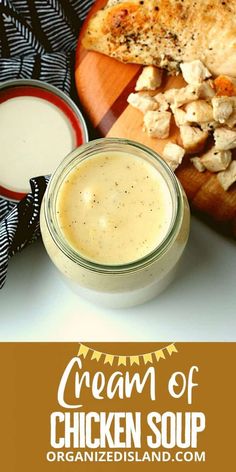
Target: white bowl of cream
pixel 39 126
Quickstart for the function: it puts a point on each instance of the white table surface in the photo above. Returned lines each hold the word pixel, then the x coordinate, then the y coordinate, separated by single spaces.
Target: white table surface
pixel 36 305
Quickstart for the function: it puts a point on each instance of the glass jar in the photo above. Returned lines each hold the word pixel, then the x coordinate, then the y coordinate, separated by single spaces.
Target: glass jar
pixel 121 285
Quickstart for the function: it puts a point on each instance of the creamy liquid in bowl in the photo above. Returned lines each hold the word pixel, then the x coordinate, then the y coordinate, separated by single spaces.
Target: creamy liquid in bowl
pixel 35 131
pixel 114 208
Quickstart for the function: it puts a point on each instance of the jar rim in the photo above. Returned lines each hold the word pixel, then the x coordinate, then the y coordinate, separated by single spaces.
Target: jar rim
pixel 65 167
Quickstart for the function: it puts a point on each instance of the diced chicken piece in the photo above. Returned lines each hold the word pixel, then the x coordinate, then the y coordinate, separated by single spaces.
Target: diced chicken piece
pixel 142 102
pixel 222 108
pixel 194 72
pixel 193 139
pixel 231 121
pixel 196 161
pixel 172 164
pixel 224 139
pixel 173 155
pixel 225 86
pixel 157 123
pixel 170 95
pixel 163 105
pixel 149 79
pixel 199 111
pixel 179 97
pixel 180 117
pixel 206 90
pixel 215 161
pixel 228 177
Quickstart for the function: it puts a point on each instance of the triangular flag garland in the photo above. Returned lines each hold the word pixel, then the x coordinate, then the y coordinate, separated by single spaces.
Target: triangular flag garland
pixel 147 358
pixel 109 359
pixel 96 355
pixel 83 350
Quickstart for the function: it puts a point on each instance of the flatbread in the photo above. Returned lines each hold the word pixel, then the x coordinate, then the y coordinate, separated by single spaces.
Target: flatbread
pixel 165 33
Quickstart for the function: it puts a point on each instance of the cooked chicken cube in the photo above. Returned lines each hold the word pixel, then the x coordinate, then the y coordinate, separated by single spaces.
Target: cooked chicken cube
pixel 170 95
pixel 193 139
pixel 228 177
pixel 206 90
pixel 194 72
pixel 179 97
pixel 196 161
pixel 157 123
pixel 172 164
pixel 180 117
pixel 149 79
pixel 222 108
pixel 142 102
pixel 199 111
pixel 173 155
pixel 215 160
pixel 225 139
pixel 160 98
pixel 231 121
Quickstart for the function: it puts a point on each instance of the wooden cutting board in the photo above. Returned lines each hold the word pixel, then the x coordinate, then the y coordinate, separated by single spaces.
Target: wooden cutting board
pixel 103 85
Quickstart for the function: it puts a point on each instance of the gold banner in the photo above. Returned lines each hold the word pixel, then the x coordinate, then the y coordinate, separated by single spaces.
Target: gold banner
pixel 146 358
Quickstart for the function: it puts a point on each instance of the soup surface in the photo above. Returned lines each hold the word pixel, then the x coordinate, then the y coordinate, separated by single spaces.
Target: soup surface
pixel 114 208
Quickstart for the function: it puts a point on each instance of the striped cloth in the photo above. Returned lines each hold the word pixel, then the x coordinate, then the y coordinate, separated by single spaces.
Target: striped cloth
pixel 37 40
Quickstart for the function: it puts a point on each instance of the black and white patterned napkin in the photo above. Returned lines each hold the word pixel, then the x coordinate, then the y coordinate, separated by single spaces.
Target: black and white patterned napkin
pixel 37 41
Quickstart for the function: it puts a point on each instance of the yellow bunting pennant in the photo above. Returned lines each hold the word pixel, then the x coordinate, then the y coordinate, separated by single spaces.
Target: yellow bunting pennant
pixel 83 350
pixel 159 354
pixel 109 359
pixel 96 356
pixel 122 360
pixel 171 348
pixel 134 360
pixel 147 358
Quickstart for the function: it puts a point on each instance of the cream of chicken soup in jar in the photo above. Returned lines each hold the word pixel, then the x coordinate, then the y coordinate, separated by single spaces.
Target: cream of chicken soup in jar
pixel 115 222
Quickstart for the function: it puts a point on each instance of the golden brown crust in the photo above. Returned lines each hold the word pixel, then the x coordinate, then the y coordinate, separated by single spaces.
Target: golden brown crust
pixel 224 86
pixel 167 32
